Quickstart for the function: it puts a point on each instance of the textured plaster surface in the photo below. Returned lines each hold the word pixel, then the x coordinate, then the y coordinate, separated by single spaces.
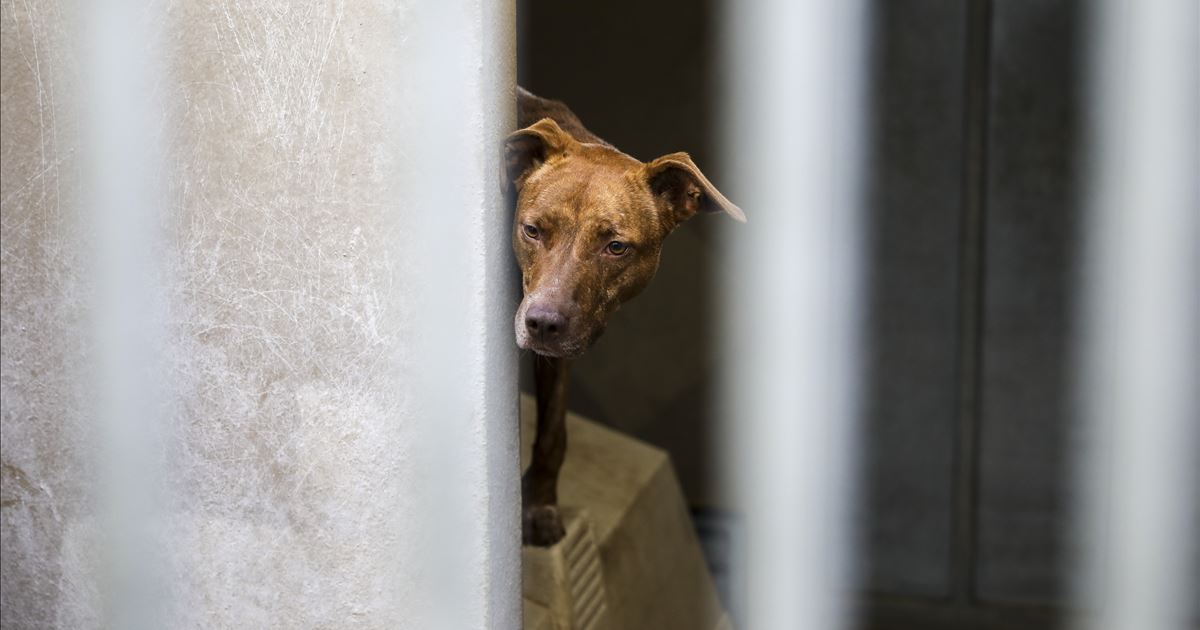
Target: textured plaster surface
pixel 293 459
pixel 42 485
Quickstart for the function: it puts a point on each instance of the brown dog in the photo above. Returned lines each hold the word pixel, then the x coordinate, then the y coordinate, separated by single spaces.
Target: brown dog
pixel 588 230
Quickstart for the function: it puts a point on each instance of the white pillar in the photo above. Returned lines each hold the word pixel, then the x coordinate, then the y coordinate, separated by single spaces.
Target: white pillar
pixel 1141 358
pixel 793 107
pixel 456 102
pixel 303 288
pixel 122 209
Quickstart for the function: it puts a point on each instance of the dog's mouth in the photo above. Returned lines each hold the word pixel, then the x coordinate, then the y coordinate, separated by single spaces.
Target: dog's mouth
pixel 566 348
pixel 558 351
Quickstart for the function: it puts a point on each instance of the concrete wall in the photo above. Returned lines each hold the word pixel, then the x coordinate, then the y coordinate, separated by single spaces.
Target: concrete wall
pixel 297 454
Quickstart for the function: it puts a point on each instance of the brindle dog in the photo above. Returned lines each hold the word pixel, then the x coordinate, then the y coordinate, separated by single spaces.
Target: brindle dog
pixel 588 230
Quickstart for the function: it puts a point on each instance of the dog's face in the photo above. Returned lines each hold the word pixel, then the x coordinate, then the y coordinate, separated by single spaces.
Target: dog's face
pixel 588 230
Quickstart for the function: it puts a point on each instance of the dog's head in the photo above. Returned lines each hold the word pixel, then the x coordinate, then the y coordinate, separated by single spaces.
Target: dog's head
pixel 590 223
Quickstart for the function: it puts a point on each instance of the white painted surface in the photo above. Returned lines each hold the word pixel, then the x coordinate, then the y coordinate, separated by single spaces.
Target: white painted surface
pixel 793 107
pixel 330 276
pixel 1141 361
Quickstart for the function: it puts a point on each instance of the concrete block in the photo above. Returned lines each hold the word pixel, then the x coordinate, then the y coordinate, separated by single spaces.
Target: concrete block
pixel 630 558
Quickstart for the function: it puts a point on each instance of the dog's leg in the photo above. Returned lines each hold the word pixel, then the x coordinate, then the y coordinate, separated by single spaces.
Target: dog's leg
pixel 541 523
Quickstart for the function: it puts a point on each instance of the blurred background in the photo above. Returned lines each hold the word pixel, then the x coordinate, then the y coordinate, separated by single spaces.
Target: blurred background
pixel 972 195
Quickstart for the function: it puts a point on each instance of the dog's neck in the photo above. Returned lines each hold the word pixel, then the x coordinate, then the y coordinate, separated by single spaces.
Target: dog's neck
pixel 532 108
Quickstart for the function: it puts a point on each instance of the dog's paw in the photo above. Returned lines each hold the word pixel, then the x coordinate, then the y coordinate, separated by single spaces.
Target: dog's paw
pixel 541 526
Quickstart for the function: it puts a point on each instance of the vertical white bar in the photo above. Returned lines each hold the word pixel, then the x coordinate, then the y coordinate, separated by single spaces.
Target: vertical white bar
pixel 456 102
pixel 792 141
pixel 1141 356
pixel 122 213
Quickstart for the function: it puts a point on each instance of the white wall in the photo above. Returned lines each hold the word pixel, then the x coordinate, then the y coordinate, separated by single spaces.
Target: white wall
pixel 318 431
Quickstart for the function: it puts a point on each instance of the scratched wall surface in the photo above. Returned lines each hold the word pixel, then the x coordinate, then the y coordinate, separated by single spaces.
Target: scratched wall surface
pixel 281 325
pixel 42 293
pixel 285 450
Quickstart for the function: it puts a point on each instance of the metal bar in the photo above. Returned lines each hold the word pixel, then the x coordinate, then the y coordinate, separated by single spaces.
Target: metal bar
pixel 792 319
pixel 123 181
pixel 1140 359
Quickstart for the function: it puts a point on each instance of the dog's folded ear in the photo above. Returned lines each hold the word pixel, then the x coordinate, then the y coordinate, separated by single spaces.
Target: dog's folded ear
pixel 682 190
pixel 527 149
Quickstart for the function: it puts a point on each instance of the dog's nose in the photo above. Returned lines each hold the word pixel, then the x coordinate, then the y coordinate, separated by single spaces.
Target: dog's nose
pixel 545 323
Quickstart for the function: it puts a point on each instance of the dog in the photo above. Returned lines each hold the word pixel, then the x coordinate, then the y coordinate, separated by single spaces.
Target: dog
pixel 588 228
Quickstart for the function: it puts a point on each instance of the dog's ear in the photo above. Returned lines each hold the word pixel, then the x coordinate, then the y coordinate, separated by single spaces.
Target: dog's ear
pixel 682 190
pixel 528 148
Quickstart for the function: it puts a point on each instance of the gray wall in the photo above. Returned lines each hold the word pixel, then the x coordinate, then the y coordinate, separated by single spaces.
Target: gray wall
pixel 915 199
pixel 1028 277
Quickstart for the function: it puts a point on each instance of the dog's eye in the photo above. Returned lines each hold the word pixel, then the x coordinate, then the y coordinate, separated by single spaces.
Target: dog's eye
pixel 530 231
pixel 617 248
